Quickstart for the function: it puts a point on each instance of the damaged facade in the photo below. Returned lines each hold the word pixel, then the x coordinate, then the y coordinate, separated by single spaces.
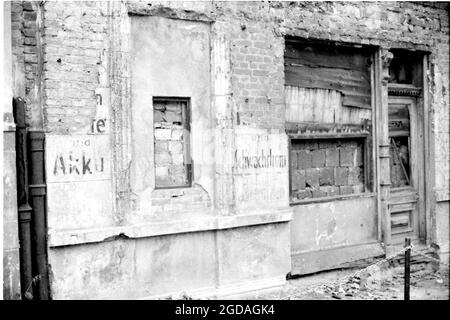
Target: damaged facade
pixel 213 148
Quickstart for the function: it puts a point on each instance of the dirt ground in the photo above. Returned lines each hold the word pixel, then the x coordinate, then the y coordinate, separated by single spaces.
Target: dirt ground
pixel 377 283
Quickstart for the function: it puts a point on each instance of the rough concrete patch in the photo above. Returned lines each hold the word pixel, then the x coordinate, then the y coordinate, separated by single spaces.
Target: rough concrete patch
pixel 140 9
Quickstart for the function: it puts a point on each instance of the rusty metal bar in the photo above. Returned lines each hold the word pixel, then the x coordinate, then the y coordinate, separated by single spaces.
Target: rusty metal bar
pixel 39 218
pixel 24 209
pixel 407 268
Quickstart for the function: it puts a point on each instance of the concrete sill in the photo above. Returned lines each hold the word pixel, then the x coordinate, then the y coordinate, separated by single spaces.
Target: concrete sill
pixel 186 223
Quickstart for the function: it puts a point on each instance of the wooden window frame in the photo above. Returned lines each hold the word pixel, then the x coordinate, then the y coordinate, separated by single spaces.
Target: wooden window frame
pixel 368 137
pixel 368 189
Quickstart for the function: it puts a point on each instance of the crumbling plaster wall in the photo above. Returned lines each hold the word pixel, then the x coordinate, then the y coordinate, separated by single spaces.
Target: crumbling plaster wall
pixel 63 233
pixel 256 32
pixel 174 62
pixel 26 26
pixel 77 57
pixel 439 79
pixel 9 243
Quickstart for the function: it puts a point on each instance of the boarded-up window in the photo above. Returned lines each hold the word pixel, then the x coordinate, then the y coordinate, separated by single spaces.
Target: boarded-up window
pixel 325 66
pixel 171 133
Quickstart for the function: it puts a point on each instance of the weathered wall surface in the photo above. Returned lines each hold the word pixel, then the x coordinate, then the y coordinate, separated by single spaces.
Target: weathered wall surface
pixel 173 62
pixel 333 224
pixel 11 267
pixel 262 254
pixel 164 266
pixel 86 82
pixel 78 182
pixel 174 264
pixel 260 169
pixel 10 277
pixel 77 117
pixel 441 128
pixel 443 229
pixel 27 67
pixel 440 79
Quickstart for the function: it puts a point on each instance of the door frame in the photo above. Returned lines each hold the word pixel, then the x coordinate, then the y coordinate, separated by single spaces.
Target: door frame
pixel 416 164
pixel 427 226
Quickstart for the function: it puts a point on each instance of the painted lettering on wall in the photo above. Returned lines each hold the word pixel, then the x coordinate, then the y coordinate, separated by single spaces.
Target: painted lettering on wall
pixel 265 159
pixel 78 158
pixel 261 163
pixel 265 194
pixel 99 124
pixel 261 188
pixel 261 151
pixel 75 164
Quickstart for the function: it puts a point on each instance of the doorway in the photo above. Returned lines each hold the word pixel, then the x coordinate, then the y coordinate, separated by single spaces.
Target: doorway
pixel 406 139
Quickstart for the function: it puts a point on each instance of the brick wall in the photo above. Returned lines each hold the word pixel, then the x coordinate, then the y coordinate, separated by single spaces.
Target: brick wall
pixel 76 41
pixel 75 37
pixel 257 75
pixel 26 49
pixel 326 168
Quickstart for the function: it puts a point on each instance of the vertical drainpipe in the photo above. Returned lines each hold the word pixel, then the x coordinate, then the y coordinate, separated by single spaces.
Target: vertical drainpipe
pixel 39 221
pixel 24 209
pixel 38 188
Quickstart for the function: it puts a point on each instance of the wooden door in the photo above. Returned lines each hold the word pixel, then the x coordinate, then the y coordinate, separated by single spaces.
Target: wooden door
pixel 406 168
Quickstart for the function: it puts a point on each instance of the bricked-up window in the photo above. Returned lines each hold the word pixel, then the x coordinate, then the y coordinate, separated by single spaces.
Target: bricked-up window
pixel 328 167
pixel 171 120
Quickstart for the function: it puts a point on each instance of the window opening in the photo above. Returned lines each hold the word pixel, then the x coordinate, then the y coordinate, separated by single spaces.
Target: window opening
pixel 399 136
pixel 328 167
pixel 171 120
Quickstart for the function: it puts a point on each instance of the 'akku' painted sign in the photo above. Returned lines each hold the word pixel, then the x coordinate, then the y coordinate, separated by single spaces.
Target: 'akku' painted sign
pixel 77 158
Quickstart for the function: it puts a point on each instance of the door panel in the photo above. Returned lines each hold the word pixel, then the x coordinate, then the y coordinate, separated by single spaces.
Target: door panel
pixel 405 150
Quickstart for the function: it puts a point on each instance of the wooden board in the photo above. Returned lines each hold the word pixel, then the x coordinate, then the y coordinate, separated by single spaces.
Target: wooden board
pixel 321 106
pixel 346 70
